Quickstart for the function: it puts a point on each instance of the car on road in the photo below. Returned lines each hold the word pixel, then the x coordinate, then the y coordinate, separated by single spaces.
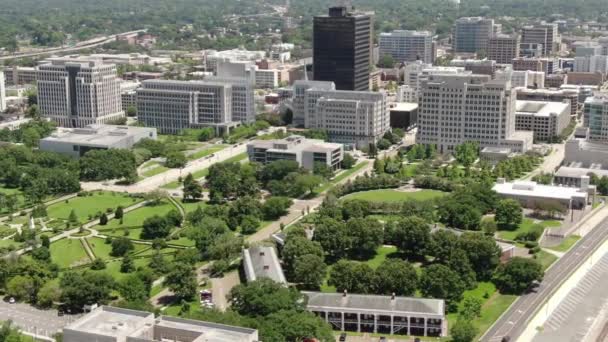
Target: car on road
pixel 342 337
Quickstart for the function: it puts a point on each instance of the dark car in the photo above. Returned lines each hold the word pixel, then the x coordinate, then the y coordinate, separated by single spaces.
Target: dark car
pixel 60 313
pixel 342 337
pixel 382 339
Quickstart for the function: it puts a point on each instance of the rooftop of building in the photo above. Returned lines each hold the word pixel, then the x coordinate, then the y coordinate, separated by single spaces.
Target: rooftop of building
pixel 104 135
pixel 208 332
pixel 577 172
pixel 586 145
pixel 403 107
pixel 547 92
pixel 262 262
pixel 597 99
pixel 533 189
pixel 541 108
pixel 406 33
pixel 110 321
pixel 499 150
pixel 376 303
pixel 295 143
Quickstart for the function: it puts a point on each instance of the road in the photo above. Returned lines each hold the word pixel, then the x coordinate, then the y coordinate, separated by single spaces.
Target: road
pixel 550 162
pixel 34 321
pixel 80 46
pixel 515 320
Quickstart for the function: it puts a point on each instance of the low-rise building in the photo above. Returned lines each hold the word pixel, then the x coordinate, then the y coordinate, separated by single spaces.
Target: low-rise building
pixel 262 262
pixel 552 95
pixel 494 155
pixel 78 141
pixel 582 158
pixel 110 324
pixel 478 67
pixel 403 115
pixel 586 78
pixel 306 152
pixel 546 119
pixel 531 194
pixel 380 314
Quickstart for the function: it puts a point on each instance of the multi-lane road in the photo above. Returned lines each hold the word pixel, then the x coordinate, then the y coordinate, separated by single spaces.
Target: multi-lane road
pixel 516 319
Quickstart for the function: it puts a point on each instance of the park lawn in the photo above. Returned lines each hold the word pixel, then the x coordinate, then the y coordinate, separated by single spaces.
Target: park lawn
pixel 340 177
pixel 68 252
pixel 84 206
pixel 155 171
pixel 392 196
pixel 182 241
pixel 207 151
pixel 566 244
pixel 190 206
pixel 381 254
pixel 10 242
pixel 411 170
pixel 204 172
pixel 526 226
pixel 100 248
pixel 113 267
pixel 136 218
pixel 545 259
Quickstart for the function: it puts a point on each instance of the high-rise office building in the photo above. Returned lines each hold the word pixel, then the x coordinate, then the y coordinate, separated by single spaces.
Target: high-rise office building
pixel 503 48
pixel 407 46
pixel 172 106
pixel 342 48
pixel 546 34
pixel 458 108
pixel 79 92
pixel 596 117
pixel 471 34
pixel 299 97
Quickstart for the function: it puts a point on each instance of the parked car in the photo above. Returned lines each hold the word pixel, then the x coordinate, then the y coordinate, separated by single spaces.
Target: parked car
pixel 342 337
pixel 12 300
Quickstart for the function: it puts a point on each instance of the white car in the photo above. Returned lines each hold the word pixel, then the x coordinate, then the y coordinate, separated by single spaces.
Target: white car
pixel 12 300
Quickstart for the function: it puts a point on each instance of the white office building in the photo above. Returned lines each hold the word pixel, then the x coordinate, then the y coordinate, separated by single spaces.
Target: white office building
pixel 581 159
pixel 406 93
pixel 171 106
pixel 212 57
pixel 546 119
pixel 306 152
pixel 407 46
pixel 530 194
pixel 459 108
pixel 78 92
pixel 261 78
pixel 299 93
pixel 591 64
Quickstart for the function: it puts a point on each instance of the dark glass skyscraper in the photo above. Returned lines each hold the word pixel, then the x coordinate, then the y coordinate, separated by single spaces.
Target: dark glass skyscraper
pixel 342 48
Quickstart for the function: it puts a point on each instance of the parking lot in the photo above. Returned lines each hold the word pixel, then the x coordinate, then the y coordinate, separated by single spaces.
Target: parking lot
pixel 32 320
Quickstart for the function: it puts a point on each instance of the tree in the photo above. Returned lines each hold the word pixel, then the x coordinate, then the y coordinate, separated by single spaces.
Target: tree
pixel 387 61
pixel 275 207
pixel 103 219
pixel 22 287
pixel 412 235
pixel 509 213
pixel 176 160
pixel 396 276
pixel 457 214
pixel 367 235
pixel 471 308
pixel 383 144
pixel 98 264
pixel 131 111
pixel 459 263
pixel 463 331
pixel 263 297
pixel 438 281
pixel 127 265
pixel 483 253
pixel 352 276
pixel 307 182
pixel 119 212
pixel 517 275
pixel 294 249
pixel 323 170
pixel 467 153
pixel 41 254
pixel 49 294
pixel 193 190
pixel 182 281
pixel 79 289
pixel 132 288
pixel 249 224
pixel 100 165
pixel 73 218
pixel 348 161
pixel 334 237
pixel 174 218
pixel 278 170
pixel 45 241
pixel 444 242
pixel 309 270
pixel 155 197
pixel 121 246
pixel 155 227
pixel 294 326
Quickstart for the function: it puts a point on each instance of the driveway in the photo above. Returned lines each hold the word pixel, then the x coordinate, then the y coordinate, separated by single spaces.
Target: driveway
pixel 34 321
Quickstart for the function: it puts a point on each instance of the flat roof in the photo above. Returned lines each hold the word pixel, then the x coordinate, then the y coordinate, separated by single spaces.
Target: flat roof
pixel 104 135
pixel 577 172
pixel 541 108
pixel 109 321
pixel 375 303
pixel 262 262
pixel 404 106
pixel 492 149
pixel 533 189
pixel 295 143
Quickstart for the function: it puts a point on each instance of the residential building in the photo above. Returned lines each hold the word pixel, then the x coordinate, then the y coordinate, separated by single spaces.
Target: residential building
pixel 552 95
pixel 342 45
pixel 19 75
pixel 546 34
pixel 530 194
pixel 403 115
pixel 356 118
pixel 78 92
pixel 471 34
pixel 407 46
pixel 110 324
pixel 596 117
pixel 172 106
pixel 306 152
pixel 380 314
pixel 546 119
pixel 459 108
pixel 262 262
pixel 503 48
pixel 75 142
pixel 475 66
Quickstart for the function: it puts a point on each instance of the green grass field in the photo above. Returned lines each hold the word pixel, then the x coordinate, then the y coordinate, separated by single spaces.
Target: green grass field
pixel 546 259
pixel 68 252
pixel 100 248
pixel 155 171
pixel 90 205
pixel 113 268
pixel 204 172
pixel 207 151
pixel 526 226
pixel 566 244
pixel 392 196
pixel 343 175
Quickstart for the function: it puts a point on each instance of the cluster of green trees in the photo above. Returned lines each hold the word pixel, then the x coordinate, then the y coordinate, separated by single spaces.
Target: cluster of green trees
pixel 422 152
pixel 245 131
pixel 99 165
pixel 173 153
pixel 156 226
pixel 29 133
pixel 601 183
pixel 513 168
pixel 365 183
